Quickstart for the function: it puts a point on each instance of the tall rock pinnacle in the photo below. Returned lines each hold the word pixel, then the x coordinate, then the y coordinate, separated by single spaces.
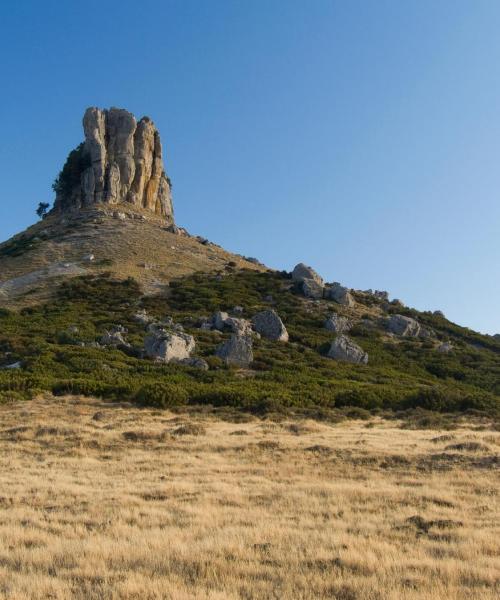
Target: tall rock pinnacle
pixel 119 161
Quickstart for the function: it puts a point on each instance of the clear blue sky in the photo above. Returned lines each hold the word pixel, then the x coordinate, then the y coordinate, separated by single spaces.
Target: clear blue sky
pixel 360 137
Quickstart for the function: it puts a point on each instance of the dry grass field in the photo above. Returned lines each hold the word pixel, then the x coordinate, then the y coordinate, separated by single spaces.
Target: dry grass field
pixel 101 501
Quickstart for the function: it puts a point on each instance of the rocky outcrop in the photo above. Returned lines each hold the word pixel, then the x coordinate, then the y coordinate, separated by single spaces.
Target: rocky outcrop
pixel 120 161
pixel 339 294
pixel 338 324
pixel 236 351
pixel 343 348
pixel 403 326
pixel 166 345
pixel 270 326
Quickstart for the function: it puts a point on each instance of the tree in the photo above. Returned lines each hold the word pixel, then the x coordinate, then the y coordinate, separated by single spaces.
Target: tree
pixel 41 211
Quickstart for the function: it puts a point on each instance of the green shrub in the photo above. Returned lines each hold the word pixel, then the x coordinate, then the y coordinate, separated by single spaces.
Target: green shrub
pixel 162 395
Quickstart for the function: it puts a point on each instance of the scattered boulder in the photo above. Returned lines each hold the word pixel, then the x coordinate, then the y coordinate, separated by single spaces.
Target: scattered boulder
pixel 380 294
pixel 343 348
pixel 403 326
pixel 238 310
pixel 166 345
pixel 445 347
pixel 142 317
pixel 312 289
pixel 239 326
pixel 114 337
pixel 302 272
pixel 340 294
pixel 88 258
pixel 16 365
pixel 338 324
pixel 219 320
pixel 195 363
pixel 270 326
pixel 236 351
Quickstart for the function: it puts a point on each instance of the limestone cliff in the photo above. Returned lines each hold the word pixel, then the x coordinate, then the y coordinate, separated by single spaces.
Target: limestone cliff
pixel 119 161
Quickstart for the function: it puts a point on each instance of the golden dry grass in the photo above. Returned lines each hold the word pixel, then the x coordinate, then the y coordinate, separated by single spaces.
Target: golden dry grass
pixel 105 501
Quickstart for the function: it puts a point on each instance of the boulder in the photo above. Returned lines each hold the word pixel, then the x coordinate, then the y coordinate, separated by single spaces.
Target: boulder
pixel 194 363
pixel 312 289
pixel 301 272
pixel 445 348
pixel 114 338
pixel 343 348
pixel 167 345
pixel 270 326
pixel 403 326
pixel 236 351
pixel 240 326
pixel 219 320
pixel 142 317
pixel 338 324
pixel 339 294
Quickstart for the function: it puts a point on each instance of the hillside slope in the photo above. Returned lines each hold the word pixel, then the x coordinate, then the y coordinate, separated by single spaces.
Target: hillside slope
pixel 123 240
pixel 55 347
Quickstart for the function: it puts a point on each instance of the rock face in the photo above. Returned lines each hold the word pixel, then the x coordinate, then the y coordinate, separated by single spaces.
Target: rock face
pixel 270 326
pixel 237 350
pixel 338 324
pixel 404 326
pixel 166 346
pixel 343 348
pixel 120 161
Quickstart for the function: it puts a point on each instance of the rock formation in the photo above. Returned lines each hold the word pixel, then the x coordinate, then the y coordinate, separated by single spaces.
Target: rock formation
pixel 339 293
pixel 270 326
pixel 237 351
pixel 343 348
pixel 166 345
pixel 404 326
pixel 338 324
pixel 120 161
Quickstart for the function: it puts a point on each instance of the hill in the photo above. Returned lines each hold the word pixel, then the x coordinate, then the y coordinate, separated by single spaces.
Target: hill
pixel 107 296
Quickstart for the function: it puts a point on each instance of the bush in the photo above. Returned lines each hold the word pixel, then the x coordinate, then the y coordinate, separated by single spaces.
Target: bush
pixel 78 160
pixel 162 395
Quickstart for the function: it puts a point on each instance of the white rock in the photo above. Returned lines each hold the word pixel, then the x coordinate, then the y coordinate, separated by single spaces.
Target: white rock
pixel 270 326
pixel 236 351
pixel 343 348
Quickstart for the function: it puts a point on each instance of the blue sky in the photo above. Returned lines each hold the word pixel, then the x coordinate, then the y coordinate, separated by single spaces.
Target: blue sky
pixel 360 137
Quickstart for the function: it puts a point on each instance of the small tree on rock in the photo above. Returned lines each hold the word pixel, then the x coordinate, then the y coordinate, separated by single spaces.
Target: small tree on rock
pixel 42 209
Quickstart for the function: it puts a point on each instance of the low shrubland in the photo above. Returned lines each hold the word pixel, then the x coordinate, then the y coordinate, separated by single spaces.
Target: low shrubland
pixel 53 343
